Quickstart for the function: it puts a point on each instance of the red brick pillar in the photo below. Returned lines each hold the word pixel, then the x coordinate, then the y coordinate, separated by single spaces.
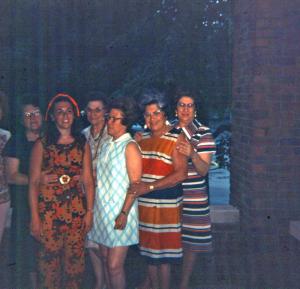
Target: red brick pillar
pixel 265 177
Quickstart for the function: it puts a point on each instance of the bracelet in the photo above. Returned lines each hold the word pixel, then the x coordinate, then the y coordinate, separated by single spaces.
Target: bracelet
pixel 131 193
pixel 124 213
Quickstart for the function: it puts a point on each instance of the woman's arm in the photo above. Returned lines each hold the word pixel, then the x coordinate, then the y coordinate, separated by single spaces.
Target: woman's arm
pixel 89 187
pixel 34 187
pixel 12 172
pixel 178 174
pixel 134 170
pixel 201 161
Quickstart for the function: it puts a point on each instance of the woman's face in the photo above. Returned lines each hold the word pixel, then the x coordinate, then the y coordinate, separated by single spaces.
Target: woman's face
pixel 32 118
pixel 95 112
pixel 63 114
pixel 115 128
pixel 185 110
pixel 155 118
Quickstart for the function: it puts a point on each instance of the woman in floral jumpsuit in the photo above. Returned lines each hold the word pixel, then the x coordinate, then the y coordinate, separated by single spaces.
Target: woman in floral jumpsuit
pixel 61 213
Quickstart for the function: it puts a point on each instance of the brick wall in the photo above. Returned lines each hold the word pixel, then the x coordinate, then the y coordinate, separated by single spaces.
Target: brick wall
pixel 265 177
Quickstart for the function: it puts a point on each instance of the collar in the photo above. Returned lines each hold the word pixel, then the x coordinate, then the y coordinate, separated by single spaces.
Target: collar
pixel 124 137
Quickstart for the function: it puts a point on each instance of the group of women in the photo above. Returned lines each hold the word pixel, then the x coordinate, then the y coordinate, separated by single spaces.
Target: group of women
pixel 106 189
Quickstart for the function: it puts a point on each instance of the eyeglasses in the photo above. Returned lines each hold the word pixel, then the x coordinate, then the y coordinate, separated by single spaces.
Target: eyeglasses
pixel 187 105
pixel 96 110
pixel 154 113
pixel 36 112
pixel 113 118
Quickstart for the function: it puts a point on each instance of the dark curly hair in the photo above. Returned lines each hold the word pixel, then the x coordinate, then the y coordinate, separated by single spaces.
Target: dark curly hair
pixel 185 92
pixel 200 106
pixel 97 96
pixel 29 99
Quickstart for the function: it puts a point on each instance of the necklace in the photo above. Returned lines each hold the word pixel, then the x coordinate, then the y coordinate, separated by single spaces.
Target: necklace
pixel 98 140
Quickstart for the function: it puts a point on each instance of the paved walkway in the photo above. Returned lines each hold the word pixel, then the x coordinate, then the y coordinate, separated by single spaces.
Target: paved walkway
pixel 240 261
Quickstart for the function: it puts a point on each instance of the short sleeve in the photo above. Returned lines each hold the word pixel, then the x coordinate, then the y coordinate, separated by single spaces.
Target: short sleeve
pixel 206 143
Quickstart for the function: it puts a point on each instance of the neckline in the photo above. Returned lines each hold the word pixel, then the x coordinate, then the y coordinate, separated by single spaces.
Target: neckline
pixel 169 128
pixel 66 145
pixel 98 135
pixel 121 138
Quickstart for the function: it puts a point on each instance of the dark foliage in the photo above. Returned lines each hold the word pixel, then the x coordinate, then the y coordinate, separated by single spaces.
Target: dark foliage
pixel 118 47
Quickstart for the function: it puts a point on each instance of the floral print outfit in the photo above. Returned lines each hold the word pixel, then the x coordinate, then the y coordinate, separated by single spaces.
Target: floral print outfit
pixel 62 208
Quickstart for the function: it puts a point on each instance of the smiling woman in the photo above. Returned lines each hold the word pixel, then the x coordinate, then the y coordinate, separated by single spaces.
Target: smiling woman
pixel 199 149
pixel 61 212
pixel 160 195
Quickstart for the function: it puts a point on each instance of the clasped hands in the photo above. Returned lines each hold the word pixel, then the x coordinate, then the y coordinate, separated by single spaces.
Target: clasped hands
pixel 185 148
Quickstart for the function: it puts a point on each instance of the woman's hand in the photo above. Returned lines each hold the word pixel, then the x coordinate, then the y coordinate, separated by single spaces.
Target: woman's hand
pixel 185 148
pixel 47 178
pixel 88 221
pixel 138 136
pixel 36 228
pixel 120 222
pixel 201 161
pixel 138 188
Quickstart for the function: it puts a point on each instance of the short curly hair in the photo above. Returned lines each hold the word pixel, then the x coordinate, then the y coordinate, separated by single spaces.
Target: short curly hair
pixel 153 96
pixel 97 96
pixel 181 92
pixel 129 108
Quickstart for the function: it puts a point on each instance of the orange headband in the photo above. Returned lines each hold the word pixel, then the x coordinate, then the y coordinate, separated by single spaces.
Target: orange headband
pixel 72 100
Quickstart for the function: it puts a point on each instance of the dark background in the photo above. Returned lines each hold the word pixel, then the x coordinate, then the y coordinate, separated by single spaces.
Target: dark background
pixel 117 47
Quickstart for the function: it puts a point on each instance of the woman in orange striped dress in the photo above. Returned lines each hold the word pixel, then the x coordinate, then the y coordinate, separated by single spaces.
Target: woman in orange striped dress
pixel 164 168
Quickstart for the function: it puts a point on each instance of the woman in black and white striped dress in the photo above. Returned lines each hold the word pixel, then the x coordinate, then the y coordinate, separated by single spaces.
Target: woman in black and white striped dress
pixel 196 224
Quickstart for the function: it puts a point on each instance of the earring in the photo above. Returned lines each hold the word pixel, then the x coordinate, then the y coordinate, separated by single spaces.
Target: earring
pixel 176 114
pixel 195 114
pixel 145 127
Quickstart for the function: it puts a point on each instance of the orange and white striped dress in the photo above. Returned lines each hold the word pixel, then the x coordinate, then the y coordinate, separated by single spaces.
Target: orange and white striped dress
pixel 160 210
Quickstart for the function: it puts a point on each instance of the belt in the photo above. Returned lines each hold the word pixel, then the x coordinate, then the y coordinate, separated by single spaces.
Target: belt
pixel 64 179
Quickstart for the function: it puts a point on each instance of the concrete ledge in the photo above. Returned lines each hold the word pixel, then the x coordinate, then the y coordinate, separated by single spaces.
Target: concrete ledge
pixel 224 214
pixel 294 229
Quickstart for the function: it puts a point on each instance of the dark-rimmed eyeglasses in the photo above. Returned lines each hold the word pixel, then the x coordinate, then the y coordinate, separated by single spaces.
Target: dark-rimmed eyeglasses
pixel 113 118
pixel 185 105
pixel 154 113
pixel 36 112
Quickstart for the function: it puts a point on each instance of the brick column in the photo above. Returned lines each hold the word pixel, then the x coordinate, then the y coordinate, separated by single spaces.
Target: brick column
pixel 265 177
